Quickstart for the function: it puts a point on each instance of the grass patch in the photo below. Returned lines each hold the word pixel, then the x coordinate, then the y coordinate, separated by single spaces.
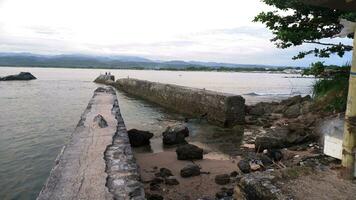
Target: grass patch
pixel 331 89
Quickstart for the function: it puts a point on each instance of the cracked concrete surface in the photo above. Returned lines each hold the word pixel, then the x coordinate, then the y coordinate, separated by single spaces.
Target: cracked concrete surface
pixel 98 162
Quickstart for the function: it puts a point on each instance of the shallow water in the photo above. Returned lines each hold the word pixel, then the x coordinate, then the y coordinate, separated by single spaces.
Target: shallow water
pixel 37 117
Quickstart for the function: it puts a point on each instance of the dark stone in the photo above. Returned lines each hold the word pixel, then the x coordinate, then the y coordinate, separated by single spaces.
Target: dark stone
pixel 99 119
pixel 275 154
pixel 234 174
pixel 206 198
pixel 154 186
pixel 164 173
pixel 244 166
pixel 22 76
pixel 175 135
pixel 225 193
pixel 268 142
pixel 273 139
pixel 190 170
pixel 139 138
pixel 189 152
pixel 266 161
pixel 154 197
pixel 157 180
pixel 222 179
pixel 171 180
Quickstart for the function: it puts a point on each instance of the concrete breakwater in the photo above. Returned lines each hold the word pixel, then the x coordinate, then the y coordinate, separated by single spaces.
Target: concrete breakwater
pixel 98 161
pixel 219 108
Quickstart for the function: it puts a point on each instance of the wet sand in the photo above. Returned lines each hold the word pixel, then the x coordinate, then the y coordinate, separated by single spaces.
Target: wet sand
pixel 188 188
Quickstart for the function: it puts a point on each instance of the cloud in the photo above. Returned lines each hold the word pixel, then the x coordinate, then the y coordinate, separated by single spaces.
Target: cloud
pixel 205 30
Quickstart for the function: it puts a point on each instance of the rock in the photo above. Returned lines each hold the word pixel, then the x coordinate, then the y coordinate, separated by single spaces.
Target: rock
pixel 139 138
pixel 275 154
pixel 22 76
pixel 222 179
pixel 259 186
pixel 190 170
pixel 206 198
pixel 266 161
pixel 157 180
pixel 175 135
pixel 189 152
pixel 293 111
pixel 306 107
pixel 255 165
pixel 268 142
pixel 307 98
pixel 234 174
pixel 154 187
pixel 257 110
pixel 225 194
pixel 292 101
pixel 244 166
pixel 280 109
pixel 171 180
pixel 164 173
pixel 100 121
pixel 154 197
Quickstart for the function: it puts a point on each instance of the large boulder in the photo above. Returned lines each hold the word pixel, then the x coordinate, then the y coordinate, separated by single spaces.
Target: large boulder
pixel 189 152
pixel 190 170
pixel 22 76
pixel 139 138
pixel 289 135
pixel 175 135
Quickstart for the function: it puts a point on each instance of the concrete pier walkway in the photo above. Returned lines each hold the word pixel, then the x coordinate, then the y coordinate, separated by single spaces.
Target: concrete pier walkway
pixel 98 162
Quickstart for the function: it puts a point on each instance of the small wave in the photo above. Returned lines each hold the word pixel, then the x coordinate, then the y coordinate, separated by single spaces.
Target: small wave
pixel 273 94
pixel 252 94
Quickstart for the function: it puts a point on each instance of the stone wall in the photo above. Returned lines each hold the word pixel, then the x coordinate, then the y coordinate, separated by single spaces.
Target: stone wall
pixel 97 162
pixel 219 108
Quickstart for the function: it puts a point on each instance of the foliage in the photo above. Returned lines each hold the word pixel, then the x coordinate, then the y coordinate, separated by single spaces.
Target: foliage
pixel 294 23
pixel 331 88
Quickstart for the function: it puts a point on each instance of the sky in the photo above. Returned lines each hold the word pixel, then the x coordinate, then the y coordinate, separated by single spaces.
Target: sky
pixel 200 30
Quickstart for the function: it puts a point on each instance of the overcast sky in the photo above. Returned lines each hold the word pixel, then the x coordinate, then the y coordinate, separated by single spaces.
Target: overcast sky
pixel 202 30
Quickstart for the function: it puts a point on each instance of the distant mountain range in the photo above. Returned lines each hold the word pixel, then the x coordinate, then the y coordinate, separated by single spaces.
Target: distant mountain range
pixel 113 62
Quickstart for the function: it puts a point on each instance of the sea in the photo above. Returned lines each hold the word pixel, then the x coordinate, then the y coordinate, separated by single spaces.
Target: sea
pixel 37 117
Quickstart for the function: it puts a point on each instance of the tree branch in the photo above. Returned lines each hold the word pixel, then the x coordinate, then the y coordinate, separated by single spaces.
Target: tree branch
pixel 327 44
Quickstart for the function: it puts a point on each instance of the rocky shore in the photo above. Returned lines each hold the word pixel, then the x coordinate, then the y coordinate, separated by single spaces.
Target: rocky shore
pixel 281 152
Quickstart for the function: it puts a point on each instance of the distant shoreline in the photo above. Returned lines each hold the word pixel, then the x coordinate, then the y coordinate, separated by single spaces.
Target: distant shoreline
pixel 282 70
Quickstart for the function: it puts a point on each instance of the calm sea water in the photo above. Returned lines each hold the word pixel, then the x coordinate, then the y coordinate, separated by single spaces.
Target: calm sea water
pixel 37 117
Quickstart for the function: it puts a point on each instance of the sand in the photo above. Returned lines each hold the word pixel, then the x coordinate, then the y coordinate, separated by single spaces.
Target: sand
pixel 189 188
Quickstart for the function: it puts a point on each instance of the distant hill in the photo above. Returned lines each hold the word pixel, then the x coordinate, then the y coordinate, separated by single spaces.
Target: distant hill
pixel 114 62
